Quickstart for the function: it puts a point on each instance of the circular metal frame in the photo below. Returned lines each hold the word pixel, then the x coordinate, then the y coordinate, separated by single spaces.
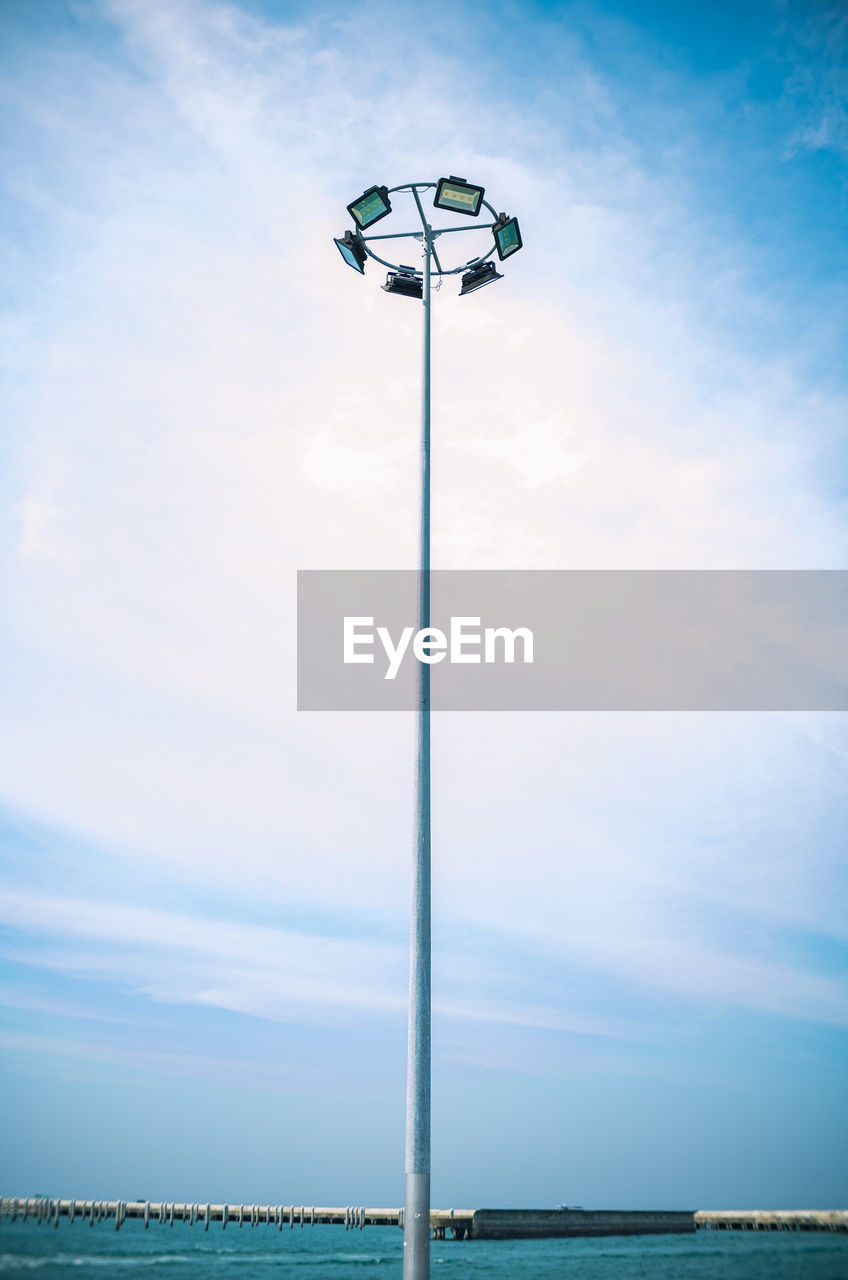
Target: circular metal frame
pixel 434 233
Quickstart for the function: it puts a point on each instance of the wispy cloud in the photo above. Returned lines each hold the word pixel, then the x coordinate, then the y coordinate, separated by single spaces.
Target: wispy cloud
pixel 817 87
pixel 270 973
pixel 191 960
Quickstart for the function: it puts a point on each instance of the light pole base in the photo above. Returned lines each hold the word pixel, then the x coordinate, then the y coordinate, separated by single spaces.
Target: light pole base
pixel 416 1227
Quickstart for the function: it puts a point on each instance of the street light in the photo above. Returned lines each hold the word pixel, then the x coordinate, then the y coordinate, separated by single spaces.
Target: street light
pixel 457 196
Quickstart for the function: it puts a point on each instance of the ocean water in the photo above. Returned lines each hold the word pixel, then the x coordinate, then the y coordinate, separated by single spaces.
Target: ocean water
pixel 181 1252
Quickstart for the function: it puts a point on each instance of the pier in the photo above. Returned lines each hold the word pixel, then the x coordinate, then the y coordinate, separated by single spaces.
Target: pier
pixel 456 1224
pixel 772 1220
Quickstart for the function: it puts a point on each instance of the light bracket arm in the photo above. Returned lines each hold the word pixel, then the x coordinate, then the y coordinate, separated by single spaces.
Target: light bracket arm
pixel 400 235
pixel 424 221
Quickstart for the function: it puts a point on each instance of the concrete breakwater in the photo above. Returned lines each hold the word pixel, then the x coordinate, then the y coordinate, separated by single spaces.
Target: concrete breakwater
pixel 541 1224
pixel 538 1224
pixel 458 1224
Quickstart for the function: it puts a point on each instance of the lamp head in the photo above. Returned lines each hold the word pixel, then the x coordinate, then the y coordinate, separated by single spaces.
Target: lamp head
pixel 459 196
pixel 406 282
pixel 507 236
pixel 371 206
pixel 483 273
pixel 352 250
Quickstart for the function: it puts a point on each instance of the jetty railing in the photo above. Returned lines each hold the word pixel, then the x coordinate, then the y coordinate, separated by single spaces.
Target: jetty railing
pixel 45 1209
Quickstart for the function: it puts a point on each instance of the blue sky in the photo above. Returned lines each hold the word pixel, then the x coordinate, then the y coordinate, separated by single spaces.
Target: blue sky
pixel 640 942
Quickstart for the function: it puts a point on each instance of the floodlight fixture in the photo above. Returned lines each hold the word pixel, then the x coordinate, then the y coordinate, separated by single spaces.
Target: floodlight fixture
pixel 352 250
pixel 371 206
pixel 406 282
pixel 507 236
pixel 485 273
pixel 459 196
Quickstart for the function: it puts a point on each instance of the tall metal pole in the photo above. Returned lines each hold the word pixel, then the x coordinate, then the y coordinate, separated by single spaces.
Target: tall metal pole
pixel 416 1217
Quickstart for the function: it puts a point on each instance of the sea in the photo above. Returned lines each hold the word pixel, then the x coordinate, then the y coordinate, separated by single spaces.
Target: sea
pixel 330 1253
